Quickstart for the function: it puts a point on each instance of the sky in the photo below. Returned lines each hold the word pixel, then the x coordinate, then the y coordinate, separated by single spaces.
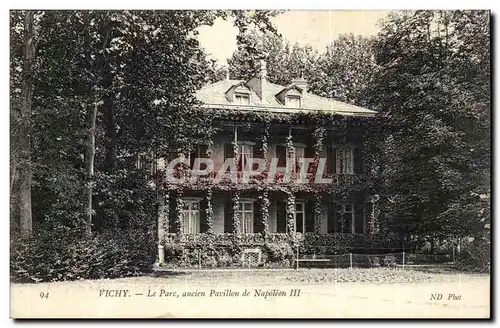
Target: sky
pixel 316 28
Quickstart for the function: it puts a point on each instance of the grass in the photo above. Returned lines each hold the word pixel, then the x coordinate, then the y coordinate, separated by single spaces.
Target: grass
pixel 309 276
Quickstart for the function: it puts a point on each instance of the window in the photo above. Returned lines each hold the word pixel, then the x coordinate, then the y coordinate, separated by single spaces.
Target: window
pixel 293 101
pixel 344 161
pixel 245 153
pixel 199 151
pixel 245 216
pixel 190 216
pixel 300 217
pixel 242 98
pixel 345 223
pixel 298 153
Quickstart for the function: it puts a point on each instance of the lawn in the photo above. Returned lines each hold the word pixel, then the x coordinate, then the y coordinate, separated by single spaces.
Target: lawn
pixel 312 276
pixel 324 293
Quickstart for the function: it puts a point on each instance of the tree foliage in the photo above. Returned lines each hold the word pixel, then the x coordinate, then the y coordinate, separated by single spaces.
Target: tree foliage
pixel 432 85
pixel 139 70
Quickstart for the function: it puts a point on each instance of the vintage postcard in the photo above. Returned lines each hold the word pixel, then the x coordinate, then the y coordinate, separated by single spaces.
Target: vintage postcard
pixel 250 164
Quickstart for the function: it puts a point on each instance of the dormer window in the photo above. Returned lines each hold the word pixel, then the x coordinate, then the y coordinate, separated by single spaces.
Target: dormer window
pixel 293 101
pixel 242 98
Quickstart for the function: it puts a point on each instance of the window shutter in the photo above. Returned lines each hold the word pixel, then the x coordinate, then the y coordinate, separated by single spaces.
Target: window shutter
pixel 309 216
pixel 257 152
pixel 192 156
pixel 203 215
pixel 309 153
pixel 228 151
pixel 358 218
pixel 281 155
pixel 330 159
pixel 358 165
pixel 257 218
pixel 280 216
pixel 228 215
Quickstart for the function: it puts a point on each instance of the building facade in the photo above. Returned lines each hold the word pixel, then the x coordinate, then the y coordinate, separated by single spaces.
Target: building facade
pixel 284 165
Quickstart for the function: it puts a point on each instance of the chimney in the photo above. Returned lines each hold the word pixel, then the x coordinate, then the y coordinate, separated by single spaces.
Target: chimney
pixel 263 69
pixel 258 82
pixel 301 83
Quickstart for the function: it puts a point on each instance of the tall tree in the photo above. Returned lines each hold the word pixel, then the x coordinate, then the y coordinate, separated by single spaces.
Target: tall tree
pixel 285 61
pixel 345 69
pixel 25 170
pixel 433 88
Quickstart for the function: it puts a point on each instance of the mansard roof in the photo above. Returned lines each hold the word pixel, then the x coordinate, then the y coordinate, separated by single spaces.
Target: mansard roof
pixel 215 96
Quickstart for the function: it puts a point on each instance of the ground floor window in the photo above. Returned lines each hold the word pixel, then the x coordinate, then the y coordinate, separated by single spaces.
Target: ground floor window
pixel 345 223
pixel 245 216
pixel 300 217
pixel 190 219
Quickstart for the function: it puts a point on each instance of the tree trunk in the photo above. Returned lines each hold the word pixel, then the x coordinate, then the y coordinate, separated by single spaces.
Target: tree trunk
pixel 25 170
pixel 90 124
pixel 89 164
pixel 109 118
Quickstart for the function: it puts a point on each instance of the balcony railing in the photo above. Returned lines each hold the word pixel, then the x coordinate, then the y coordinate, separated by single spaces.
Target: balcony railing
pixel 248 182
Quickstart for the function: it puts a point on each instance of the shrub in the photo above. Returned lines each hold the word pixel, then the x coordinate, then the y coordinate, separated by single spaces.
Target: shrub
pixel 58 257
pixel 280 252
pixel 476 257
pixel 173 252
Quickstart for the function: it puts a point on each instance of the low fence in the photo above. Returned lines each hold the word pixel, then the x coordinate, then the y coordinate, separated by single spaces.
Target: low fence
pixel 351 260
pixel 257 258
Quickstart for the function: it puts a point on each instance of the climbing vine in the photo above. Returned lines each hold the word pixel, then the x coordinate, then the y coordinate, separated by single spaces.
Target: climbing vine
pixel 373 227
pixel 209 150
pixel 265 138
pixel 317 213
pixel 209 211
pixel 236 220
pixel 318 136
pixel 343 185
pixel 290 213
pixel 178 211
pixel 264 211
pixel 234 142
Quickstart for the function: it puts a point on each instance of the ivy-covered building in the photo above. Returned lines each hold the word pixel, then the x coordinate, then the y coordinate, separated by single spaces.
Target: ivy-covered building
pixel 259 119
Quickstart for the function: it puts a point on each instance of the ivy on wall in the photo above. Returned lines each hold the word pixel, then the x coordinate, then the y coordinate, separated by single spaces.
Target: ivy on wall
pixel 317 213
pixel 342 187
pixel 209 211
pixel 235 197
pixel 264 211
pixel 178 210
pixel 290 213
pixel 265 138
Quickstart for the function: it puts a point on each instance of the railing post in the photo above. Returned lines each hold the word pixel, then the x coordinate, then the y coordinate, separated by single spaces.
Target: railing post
pixel 297 264
pixel 403 260
pixel 350 259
